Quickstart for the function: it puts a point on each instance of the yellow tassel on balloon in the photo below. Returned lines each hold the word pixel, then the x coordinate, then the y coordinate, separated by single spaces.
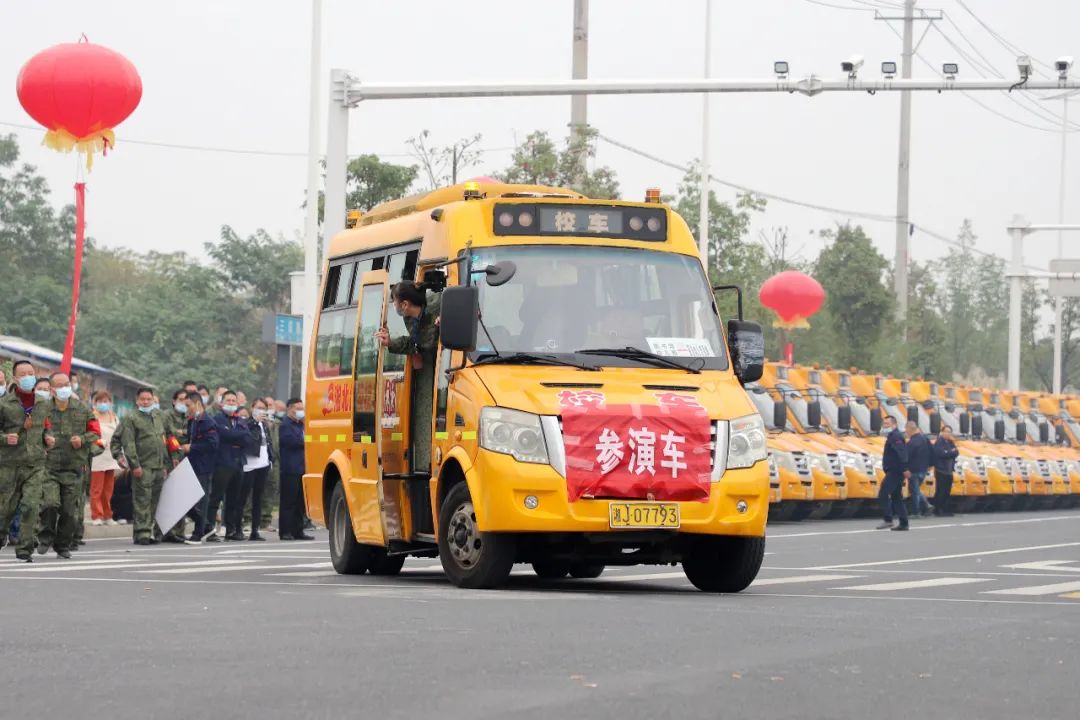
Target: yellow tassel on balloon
pixel 795 323
pixel 63 141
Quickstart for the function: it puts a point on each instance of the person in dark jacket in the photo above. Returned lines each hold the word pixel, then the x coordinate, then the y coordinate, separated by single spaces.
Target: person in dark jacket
pixel 226 483
pixel 945 454
pixel 291 442
pixel 920 458
pixel 894 461
pixel 201 450
pixel 259 458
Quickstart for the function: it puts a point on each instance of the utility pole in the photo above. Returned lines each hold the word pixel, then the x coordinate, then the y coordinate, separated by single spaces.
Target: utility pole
pixel 903 173
pixel 1059 300
pixel 903 168
pixel 311 215
pixel 579 123
pixel 703 190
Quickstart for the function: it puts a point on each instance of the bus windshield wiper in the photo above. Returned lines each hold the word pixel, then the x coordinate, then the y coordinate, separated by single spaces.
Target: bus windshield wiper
pixel 530 358
pixel 633 353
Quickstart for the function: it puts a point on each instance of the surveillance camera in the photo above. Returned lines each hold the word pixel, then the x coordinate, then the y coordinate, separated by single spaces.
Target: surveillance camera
pixel 1062 65
pixel 1023 64
pixel 852 64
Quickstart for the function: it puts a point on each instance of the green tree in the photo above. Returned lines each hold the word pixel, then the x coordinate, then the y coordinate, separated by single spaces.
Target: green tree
pixel 442 165
pixel 258 265
pixel 926 330
pixel 370 181
pixel 36 253
pixel 537 161
pixel 858 303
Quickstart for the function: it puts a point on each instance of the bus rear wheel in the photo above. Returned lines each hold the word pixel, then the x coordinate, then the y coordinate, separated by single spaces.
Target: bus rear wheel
pixel 586 571
pixel 384 564
pixel 551 569
pixel 471 558
pixel 348 556
pixel 723 564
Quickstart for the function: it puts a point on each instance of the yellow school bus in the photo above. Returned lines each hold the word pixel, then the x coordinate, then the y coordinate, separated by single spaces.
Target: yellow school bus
pixel 586 406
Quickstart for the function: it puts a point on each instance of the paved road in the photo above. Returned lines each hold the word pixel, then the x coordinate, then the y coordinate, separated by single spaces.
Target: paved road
pixel 973 617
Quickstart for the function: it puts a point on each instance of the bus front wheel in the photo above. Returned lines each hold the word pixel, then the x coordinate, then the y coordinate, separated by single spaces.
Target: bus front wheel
pixel 471 558
pixel 723 564
pixel 348 556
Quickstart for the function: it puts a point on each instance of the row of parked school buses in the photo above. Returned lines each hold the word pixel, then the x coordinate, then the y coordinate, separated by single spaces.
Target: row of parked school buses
pixel 1018 450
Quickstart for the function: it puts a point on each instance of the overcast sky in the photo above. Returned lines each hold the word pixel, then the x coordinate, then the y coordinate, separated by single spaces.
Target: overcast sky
pixel 234 75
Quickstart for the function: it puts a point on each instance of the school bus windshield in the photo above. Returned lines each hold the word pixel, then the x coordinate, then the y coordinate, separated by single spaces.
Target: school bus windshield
pixel 568 298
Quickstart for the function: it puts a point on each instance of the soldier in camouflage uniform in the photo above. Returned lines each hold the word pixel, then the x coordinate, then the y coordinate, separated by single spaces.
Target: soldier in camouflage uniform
pixel 23 446
pixel 175 422
pixel 76 432
pixel 421 313
pixel 140 439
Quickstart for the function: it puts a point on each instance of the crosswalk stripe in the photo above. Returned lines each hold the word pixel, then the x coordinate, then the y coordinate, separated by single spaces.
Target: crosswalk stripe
pixel 1052 565
pixel 68 567
pixel 202 568
pixel 276 551
pixel 1054 589
pixel 304 574
pixel 916 584
pixel 642 576
pixel 800 579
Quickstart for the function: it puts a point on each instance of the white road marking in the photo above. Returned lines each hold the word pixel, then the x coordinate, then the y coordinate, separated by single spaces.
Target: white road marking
pixel 306 573
pixel 924 526
pixel 945 557
pixel 915 584
pixel 906 571
pixel 274 551
pixel 799 579
pixel 1053 565
pixel 232 565
pixel 68 567
pixel 1054 589
pixel 642 576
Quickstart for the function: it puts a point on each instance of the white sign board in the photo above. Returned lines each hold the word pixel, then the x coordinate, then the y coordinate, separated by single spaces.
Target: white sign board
pixel 178 495
pixel 1065 288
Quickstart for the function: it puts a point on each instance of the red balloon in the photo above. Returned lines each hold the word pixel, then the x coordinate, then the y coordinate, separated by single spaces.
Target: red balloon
pixel 793 296
pixel 79 91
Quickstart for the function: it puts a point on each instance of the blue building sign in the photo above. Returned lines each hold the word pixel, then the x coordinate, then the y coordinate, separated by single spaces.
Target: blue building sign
pixel 282 329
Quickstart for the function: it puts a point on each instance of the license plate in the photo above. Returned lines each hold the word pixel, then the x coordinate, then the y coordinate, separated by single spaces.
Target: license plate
pixel 643 515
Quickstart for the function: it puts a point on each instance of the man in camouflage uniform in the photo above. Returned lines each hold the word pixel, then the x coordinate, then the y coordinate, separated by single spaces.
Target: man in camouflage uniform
pixel 420 312
pixel 76 432
pixel 140 440
pixel 23 447
pixel 84 473
pixel 175 423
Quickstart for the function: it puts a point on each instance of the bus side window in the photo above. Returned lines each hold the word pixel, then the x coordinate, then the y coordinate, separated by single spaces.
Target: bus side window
pixel 367 359
pixel 361 267
pixel 402 266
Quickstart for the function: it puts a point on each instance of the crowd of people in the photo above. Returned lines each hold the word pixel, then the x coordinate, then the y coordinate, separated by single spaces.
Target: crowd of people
pixel 57 452
pixel 909 456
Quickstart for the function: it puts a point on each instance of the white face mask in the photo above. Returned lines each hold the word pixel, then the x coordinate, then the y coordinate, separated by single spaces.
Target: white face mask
pixel 3 390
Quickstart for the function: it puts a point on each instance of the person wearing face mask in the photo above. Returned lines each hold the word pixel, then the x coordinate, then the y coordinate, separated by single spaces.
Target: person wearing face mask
pixel 204 393
pixel 259 455
pixel 23 448
pixel 421 315
pixel 214 408
pixel 140 441
pixel 76 433
pixel 174 420
pixel 103 466
pixel 12 531
pixel 227 480
pixel 201 451
pixel 291 518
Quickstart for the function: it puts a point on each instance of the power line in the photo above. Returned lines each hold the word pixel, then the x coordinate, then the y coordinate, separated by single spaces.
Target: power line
pixel 837 7
pixel 743 188
pixel 237 151
pixel 1001 40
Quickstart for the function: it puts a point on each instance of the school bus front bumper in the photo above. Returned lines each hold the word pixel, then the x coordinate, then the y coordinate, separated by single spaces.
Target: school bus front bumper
pixel 738 503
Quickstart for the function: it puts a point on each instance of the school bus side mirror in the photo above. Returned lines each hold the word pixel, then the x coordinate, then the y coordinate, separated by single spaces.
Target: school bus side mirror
pixel 458 318
pixel 976 426
pixel 999 430
pixel 1044 433
pixel 779 414
pixel 843 417
pixel 875 419
pixel 935 424
pixel 1021 432
pixel 913 413
pixel 813 414
pixel 747 347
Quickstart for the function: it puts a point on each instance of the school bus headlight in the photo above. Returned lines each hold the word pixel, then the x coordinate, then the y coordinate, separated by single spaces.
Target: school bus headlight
pixel 515 433
pixel 746 441
pixel 784 460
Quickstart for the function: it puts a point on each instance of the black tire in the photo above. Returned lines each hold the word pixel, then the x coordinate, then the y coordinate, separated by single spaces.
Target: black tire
pixel 348 556
pixel 383 564
pixel 724 564
pixel 586 571
pixel 551 569
pixel 471 558
pixel 802 510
